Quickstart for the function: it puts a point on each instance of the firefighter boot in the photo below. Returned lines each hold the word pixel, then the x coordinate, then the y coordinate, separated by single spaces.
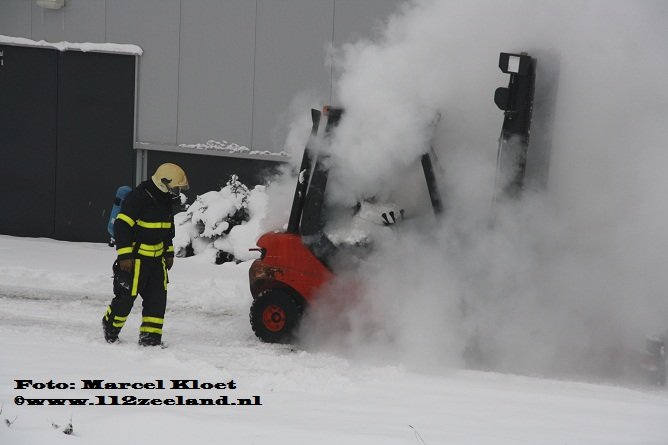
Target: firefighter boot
pixel 110 332
pixel 150 339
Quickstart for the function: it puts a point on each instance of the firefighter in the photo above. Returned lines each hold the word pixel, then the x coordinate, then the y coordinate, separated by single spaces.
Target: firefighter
pixel 143 230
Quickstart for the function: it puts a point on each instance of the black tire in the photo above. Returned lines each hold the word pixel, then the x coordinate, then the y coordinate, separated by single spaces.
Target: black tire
pixel 275 316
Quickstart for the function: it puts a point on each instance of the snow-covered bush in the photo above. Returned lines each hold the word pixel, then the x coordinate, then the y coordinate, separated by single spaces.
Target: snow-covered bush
pixel 223 224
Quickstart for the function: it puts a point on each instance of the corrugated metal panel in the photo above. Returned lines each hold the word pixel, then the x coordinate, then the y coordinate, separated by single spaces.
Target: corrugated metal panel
pixel 47 24
pixel 216 71
pixel 84 21
pixel 15 18
pixel 356 19
pixel 292 37
pixel 154 26
pixel 79 20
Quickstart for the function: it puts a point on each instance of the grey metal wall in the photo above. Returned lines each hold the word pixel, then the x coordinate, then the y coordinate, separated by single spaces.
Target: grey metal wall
pixel 211 69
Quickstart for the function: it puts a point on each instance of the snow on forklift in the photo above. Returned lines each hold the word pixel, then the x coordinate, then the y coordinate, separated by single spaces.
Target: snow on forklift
pixel 295 264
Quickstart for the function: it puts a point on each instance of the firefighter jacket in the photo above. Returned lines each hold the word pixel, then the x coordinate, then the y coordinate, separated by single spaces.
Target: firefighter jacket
pixel 145 225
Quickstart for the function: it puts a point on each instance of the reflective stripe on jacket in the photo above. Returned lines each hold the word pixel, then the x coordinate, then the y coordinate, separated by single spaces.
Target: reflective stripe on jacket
pixel 145 224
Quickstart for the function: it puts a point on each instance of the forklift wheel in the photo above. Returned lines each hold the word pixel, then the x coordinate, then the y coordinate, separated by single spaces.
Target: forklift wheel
pixel 274 316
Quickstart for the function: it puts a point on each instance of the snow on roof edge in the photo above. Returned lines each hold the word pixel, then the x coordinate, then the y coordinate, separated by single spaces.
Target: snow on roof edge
pixel 119 48
pixel 216 148
pixel 231 147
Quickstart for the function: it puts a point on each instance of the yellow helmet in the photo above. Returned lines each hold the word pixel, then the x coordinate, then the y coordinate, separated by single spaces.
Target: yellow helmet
pixel 170 178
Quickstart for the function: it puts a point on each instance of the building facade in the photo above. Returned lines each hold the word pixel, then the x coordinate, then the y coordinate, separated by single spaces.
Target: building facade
pixel 223 70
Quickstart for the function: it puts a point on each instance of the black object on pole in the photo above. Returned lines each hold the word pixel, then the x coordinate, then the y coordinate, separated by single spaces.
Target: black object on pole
pixel 516 101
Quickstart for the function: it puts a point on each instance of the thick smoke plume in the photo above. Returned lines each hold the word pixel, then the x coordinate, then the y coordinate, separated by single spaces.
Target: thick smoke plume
pixel 570 278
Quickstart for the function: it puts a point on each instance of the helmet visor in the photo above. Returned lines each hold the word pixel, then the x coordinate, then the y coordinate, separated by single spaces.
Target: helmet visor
pixel 177 189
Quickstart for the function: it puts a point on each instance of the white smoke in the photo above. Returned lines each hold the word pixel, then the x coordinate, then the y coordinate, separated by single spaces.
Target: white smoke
pixel 570 278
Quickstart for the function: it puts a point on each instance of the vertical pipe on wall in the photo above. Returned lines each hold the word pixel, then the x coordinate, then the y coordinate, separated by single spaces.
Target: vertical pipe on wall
pixel 141 165
pixel 57 142
pixel 253 89
pixel 331 67
pixel 140 155
pixel 105 22
pixel 178 73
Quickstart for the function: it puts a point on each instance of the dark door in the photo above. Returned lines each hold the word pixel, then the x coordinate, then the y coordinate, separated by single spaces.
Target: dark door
pixel 28 137
pixel 95 140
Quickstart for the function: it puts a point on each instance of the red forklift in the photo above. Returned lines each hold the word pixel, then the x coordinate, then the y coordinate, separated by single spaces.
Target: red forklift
pixel 296 263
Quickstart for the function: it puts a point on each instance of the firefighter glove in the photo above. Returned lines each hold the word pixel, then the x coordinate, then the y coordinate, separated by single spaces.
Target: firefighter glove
pixel 125 265
pixel 122 280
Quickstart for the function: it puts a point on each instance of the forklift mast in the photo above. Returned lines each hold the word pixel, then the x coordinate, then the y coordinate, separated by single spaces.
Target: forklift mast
pixel 312 222
pixel 516 101
pixel 306 216
pixel 432 184
pixel 304 177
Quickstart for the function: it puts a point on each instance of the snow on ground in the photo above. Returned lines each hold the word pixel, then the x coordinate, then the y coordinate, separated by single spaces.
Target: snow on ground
pixel 53 295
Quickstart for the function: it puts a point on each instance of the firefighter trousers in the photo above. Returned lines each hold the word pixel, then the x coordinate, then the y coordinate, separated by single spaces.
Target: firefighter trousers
pixel 149 279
